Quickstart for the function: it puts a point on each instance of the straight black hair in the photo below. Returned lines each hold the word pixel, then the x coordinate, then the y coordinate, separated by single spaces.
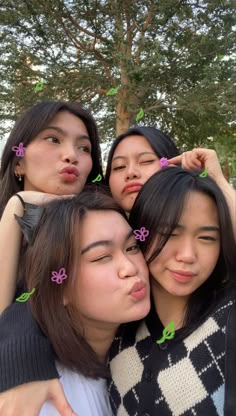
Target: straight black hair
pixel 160 142
pixel 159 207
pixel 27 127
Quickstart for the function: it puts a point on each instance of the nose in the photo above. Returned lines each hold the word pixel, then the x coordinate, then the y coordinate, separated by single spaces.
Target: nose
pixel 127 267
pixel 186 251
pixel 132 171
pixel 70 154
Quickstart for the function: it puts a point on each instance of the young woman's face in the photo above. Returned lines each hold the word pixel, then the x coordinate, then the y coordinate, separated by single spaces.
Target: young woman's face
pixel 191 253
pixel 112 284
pixel 58 160
pixel 133 162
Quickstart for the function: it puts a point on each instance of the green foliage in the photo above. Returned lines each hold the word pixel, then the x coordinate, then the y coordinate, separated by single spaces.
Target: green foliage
pixel 175 59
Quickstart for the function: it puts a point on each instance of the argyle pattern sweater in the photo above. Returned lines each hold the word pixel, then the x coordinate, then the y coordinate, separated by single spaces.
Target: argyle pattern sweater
pixel 182 377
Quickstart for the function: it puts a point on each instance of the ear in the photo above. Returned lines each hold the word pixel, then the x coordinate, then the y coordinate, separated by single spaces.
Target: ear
pixel 19 168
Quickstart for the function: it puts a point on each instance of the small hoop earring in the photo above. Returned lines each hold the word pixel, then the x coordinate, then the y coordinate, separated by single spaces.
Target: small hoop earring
pixel 19 177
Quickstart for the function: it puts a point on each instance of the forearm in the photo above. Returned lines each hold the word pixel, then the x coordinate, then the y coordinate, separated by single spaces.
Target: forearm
pixel 230 196
pixel 25 353
pixel 10 242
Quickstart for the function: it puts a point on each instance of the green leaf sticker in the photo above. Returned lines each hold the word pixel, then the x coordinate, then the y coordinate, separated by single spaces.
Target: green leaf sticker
pixel 113 91
pixel 139 115
pixel 25 296
pixel 39 86
pixel 97 179
pixel 168 333
pixel 204 173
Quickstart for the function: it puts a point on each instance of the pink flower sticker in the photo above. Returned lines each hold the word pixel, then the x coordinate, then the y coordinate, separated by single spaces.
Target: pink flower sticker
pixel 141 234
pixel 59 276
pixel 164 162
pixel 20 150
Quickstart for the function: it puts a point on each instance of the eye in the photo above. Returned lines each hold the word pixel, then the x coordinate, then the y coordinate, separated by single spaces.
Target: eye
pixel 134 248
pixel 207 238
pixel 84 148
pixel 118 167
pixel 52 139
pixel 106 257
pixel 146 162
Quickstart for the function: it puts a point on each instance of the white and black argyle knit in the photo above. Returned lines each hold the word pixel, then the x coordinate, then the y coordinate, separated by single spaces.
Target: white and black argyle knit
pixel 183 377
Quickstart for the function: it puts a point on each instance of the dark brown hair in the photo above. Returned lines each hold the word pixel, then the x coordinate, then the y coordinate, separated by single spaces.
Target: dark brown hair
pixel 56 247
pixel 27 127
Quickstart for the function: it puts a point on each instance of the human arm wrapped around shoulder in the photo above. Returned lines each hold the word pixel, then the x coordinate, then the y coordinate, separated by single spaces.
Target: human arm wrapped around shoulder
pixel 25 353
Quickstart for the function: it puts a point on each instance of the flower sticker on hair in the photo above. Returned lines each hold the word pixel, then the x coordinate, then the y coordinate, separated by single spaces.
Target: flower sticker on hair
pixel 58 277
pixel 168 333
pixel 97 179
pixel 141 234
pixel 20 150
pixel 25 296
pixel 164 162
pixel 204 173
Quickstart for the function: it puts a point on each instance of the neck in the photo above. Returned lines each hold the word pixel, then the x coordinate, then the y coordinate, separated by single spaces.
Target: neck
pixel 168 307
pixel 100 338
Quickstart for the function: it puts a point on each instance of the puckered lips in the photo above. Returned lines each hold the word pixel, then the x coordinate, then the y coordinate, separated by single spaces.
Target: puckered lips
pixel 132 187
pixel 138 290
pixel 69 173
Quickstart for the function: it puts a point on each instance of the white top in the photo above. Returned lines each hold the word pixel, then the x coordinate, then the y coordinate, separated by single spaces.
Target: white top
pixel 87 397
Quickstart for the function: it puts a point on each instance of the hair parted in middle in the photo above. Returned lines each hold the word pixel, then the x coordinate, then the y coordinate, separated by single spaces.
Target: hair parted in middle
pixel 159 207
pixel 55 247
pixel 27 127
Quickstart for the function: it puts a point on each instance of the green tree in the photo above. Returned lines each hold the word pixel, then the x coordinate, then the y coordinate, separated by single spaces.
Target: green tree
pixel 172 61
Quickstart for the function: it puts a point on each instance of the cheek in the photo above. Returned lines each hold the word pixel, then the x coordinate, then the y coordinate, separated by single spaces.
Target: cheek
pixel 149 171
pixel 210 259
pixel 87 163
pixel 115 187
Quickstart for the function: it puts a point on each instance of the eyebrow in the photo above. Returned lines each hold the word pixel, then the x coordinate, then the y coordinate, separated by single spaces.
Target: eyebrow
pixel 204 228
pixel 61 131
pixel 139 154
pixel 103 243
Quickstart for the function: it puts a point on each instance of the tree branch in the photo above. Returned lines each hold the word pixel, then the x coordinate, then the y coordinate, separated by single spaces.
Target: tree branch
pixel 143 30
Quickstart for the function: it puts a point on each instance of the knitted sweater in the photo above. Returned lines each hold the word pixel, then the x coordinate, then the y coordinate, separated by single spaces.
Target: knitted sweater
pixel 25 353
pixel 183 376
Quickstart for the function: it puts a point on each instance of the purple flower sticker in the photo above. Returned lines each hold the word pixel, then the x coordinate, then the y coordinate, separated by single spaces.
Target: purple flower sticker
pixel 20 150
pixel 59 276
pixel 141 234
pixel 164 162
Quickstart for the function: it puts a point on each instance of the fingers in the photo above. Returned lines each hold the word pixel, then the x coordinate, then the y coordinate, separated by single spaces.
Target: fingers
pixel 58 398
pixel 191 160
pixel 188 160
pixel 175 160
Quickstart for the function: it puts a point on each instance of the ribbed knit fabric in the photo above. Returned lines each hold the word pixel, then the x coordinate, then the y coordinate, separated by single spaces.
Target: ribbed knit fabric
pixel 25 353
pixel 181 377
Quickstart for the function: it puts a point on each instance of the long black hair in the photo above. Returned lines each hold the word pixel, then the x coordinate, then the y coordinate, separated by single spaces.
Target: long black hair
pixel 160 142
pixel 27 127
pixel 159 207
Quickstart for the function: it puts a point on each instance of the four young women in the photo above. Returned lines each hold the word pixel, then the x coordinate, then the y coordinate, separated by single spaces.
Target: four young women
pixel 133 165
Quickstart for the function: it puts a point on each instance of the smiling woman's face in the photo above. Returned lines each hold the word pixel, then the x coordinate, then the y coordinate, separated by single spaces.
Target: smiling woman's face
pixel 191 253
pixel 133 162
